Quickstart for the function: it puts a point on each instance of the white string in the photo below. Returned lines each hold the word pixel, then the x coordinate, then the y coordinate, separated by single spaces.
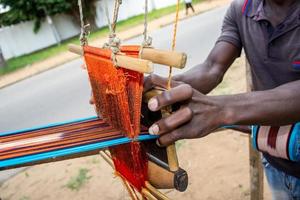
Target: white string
pixel 147 42
pixel 84 27
pixel 113 41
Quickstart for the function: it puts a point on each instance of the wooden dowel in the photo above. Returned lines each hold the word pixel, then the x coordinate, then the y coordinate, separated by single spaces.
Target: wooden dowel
pixel 75 49
pixel 155 192
pixel 148 194
pixel 135 64
pixel 171 149
pixel 172 158
pixel 168 58
pixel 160 177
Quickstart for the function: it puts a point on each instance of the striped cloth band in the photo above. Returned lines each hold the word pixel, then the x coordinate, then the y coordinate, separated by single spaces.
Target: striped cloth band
pixel 278 141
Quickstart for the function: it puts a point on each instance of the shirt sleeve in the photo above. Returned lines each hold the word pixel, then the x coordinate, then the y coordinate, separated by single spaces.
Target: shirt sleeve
pixel 230 32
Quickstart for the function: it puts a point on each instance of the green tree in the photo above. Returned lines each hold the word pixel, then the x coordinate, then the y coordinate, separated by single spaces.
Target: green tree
pixel 37 10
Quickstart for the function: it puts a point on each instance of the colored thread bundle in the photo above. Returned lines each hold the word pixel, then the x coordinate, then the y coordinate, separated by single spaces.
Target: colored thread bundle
pixel 118 97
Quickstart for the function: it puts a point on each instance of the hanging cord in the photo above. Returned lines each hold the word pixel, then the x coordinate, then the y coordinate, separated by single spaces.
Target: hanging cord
pixel 116 14
pixel 173 43
pixel 113 41
pixel 84 33
pixel 147 42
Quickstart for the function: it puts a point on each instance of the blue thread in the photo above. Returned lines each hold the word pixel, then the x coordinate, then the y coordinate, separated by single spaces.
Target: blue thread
pixel 254 130
pixel 70 151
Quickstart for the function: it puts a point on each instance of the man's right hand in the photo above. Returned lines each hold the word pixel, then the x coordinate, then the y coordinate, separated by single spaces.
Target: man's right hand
pixel 197 116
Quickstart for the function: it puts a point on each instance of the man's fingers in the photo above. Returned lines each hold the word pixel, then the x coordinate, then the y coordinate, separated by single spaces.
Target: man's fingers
pixel 177 94
pixel 171 122
pixel 170 138
pixel 154 80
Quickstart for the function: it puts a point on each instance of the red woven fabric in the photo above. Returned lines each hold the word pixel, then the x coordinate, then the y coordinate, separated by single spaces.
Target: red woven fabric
pixel 118 96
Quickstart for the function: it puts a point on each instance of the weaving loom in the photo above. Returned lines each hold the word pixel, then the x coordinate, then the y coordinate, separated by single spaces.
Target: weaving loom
pixel 116 79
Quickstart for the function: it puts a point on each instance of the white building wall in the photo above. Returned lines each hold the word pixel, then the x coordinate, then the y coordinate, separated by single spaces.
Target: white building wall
pixel 65 26
pixel 20 39
pixel 17 40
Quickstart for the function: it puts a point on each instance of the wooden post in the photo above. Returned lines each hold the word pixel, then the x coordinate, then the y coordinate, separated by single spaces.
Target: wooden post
pixel 256 170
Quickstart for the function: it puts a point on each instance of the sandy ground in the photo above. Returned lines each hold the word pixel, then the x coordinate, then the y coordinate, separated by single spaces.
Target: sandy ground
pixel 217 165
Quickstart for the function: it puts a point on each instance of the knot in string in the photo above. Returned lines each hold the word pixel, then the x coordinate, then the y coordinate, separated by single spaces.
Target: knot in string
pixel 114 45
pixel 147 42
pixel 85 32
pixel 113 41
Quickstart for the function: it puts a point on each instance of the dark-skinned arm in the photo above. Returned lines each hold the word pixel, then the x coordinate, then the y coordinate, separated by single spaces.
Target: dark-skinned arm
pixel 200 114
pixel 206 76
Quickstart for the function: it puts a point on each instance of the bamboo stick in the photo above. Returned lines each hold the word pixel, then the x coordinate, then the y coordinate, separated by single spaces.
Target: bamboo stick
pixel 168 58
pixel 171 149
pixel 155 192
pixel 135 64
pixel 107 159
pixel 130 190
pixel 148 194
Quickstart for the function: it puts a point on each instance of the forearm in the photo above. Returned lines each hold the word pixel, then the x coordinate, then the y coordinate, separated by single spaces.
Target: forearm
pixel 279 106
pixel 204 77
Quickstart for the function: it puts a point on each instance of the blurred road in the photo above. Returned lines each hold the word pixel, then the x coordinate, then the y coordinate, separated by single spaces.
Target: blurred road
pixel 63 93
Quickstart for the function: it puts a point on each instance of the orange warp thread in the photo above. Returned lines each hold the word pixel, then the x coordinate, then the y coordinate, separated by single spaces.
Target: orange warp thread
pixel 118 96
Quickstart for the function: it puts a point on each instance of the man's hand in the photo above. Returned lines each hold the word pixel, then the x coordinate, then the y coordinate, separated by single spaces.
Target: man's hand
pixel 198 115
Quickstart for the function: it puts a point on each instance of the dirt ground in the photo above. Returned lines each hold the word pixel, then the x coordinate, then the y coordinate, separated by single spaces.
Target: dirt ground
pixel 217 165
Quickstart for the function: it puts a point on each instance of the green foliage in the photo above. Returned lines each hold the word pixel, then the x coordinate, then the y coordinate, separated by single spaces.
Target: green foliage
pixel 37 10
pixel 76 182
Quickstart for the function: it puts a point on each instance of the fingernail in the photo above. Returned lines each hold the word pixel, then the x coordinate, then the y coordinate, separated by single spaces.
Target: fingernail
pixel 154 130
pixel 153 104
pixel 158 143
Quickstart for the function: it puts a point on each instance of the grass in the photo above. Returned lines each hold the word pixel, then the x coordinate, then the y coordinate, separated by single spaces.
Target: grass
pixel 76 182
pixel 25 60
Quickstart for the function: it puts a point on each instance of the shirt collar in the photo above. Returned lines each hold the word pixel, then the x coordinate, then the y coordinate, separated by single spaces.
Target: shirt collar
pixel 256 11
